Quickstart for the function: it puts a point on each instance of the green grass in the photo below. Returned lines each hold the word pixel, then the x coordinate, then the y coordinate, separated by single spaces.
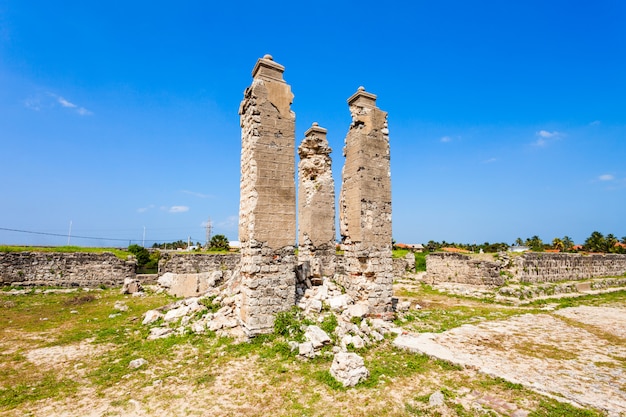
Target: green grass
pixel 553 408
pixel 200 359
pixel 122 254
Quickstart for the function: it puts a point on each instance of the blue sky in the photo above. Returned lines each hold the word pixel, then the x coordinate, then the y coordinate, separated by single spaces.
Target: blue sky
pixel 507 119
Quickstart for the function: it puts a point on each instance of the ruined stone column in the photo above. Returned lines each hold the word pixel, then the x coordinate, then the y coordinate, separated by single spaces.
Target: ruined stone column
pixel 316 205
pixel 267 210
pixel 365 206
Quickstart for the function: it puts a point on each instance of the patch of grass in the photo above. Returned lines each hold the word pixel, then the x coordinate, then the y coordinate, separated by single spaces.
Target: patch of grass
pixel 540 350
pixel 209 303
pixel 388 363
pixel 618 297
pixel 399 253
pixel 553 408
pixel 329 324
pixel 34 388
pixel 289 324
pixel 122 254
pixel 79 299
pixel 327 379
pixel 420 261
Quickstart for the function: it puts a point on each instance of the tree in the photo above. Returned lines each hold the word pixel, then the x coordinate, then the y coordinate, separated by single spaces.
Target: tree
pixel 568 243
pixel 519 241
pixel 595 243
pixel 558 244
pixel 611 241
pixel 218 243
pixel 535 244
pixel 141 254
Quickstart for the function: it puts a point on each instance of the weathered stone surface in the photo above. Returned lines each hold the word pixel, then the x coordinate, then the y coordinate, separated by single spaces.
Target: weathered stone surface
pixel 365 206
pixel 176 313
pixel 316 204
pixel 306 349
pixel 357 310
pixel 79 269
pixel 542 352
pixel 131 286
pixel 267 210
pixel 190 285
pixel 349 369
pixel 527 268
pixel 137 363
pixel 436 399
pixel 151 316
pixel 316 336
pixel 193 263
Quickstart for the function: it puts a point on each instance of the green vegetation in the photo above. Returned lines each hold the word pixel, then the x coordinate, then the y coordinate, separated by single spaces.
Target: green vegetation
pixel 553 408
pixel 147 262
pixel 219 243
pixel 120 253
pixel 262 372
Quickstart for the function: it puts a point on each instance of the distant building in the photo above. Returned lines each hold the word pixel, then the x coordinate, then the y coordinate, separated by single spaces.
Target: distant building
pixel 415 247
pixel 519 249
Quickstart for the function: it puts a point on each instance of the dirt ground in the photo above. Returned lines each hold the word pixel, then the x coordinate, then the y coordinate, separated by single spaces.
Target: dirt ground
pixel 576 354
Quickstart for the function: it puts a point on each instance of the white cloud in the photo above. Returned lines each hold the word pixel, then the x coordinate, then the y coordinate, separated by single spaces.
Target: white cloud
pixel 69 105
pixel 546 136
pixel 489 161
pixel 606 177
pixel 196 194
pixel 446 139
pixel 595 123
pixel 178 209
pixel 63 102
pixel 144 209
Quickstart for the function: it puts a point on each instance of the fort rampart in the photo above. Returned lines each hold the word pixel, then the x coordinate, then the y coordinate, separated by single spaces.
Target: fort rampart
pixel 529 267
pixel 191 263
pixel 77 269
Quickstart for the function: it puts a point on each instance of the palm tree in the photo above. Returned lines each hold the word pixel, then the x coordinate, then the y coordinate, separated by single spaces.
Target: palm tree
pixel 568 243
pixel 558 244
pixel 595 243
pixel 535 243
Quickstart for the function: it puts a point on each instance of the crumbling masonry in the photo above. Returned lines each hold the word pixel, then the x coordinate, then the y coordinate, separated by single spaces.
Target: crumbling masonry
pixel 267 211
pixel 365 206
pixel 316 207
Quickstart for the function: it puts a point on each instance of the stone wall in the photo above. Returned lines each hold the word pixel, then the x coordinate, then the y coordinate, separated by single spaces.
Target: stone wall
pixel 316 204
pixel 267 208
pixel 456 267
pixel 191 263
pixel 365 206
pixel 529 267
pixel 551 267
pixel 79 269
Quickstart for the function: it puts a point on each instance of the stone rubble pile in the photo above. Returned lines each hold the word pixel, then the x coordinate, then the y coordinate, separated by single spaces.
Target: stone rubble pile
pixel 217 311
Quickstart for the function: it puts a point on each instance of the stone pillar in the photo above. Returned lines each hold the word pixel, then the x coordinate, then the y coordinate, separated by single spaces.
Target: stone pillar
pixel 267 210
pixel 316 205
pixel 365 207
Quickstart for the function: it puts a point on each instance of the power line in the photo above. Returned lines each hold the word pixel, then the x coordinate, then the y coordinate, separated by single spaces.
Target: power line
pixel 82 237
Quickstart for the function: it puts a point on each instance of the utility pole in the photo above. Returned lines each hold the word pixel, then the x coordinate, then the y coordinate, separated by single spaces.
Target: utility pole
pixel 209 225
pixel 143 241
pixel 69 234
